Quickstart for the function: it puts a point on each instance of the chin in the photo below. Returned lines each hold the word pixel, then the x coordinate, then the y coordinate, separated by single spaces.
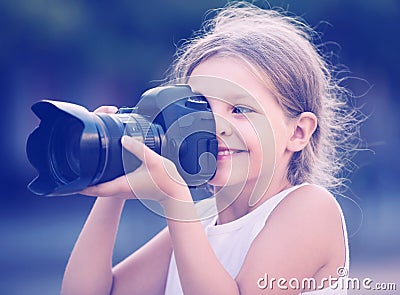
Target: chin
pixel 228 179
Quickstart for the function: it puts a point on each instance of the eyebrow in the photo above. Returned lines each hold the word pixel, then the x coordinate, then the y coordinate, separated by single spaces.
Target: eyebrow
pixel 243 97
pixel 235 98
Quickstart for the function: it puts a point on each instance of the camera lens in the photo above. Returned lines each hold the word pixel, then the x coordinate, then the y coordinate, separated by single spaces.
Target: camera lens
pixel 73 148
pixel 64 150
pixel 72 151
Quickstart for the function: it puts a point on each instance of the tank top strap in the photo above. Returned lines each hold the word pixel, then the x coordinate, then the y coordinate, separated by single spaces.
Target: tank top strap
pixel 274 201
pixel 265 209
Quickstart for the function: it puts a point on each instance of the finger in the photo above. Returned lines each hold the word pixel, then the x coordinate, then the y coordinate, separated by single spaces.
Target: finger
pixel 140 150
pixel 155 166
pixel 106 109
pixel 89 191
pixel 115 187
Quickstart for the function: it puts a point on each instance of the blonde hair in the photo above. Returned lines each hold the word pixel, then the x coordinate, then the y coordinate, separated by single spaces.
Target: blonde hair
pixel 280 47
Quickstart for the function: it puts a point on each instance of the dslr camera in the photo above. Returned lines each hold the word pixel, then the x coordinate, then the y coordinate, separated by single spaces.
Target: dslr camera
pixel 73 148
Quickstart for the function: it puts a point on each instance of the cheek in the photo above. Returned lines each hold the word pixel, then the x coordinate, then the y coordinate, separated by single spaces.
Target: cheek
pixel 262 161
pixel 260 137
pixel 263 153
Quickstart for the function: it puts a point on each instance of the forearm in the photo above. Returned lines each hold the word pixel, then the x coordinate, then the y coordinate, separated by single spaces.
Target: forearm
pixel 199 270
pixel 89 269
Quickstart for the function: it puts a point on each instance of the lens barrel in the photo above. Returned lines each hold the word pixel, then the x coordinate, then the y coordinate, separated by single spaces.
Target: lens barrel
pixel 111 128
pixel 73 148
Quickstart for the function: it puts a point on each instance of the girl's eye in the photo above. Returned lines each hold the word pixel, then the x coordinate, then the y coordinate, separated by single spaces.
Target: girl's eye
pixel 241 110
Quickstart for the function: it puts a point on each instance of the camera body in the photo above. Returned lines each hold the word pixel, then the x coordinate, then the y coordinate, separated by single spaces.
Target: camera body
pixel 73 148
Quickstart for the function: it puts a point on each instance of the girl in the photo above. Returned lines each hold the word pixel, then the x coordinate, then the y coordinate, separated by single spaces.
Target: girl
pixel 280 120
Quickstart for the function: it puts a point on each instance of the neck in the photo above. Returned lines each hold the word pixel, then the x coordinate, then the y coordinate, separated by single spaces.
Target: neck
pixel 236 201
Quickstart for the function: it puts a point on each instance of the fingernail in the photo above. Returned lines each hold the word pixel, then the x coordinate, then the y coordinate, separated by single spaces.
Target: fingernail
pixel 113 109
pixel 126 139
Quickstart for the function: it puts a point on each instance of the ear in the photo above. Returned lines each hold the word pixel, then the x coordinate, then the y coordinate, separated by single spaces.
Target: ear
pixel 303 128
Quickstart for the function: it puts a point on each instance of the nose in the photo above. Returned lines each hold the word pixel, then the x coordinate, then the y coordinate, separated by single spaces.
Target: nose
pixel 222 125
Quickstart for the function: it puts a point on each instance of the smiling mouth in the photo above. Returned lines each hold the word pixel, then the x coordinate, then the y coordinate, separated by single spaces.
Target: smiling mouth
pixel 228 152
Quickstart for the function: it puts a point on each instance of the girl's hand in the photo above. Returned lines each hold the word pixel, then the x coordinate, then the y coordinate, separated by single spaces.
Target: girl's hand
pixel 156 179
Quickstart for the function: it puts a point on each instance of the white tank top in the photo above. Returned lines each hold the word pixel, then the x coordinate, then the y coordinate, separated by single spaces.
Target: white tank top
pixel 231 241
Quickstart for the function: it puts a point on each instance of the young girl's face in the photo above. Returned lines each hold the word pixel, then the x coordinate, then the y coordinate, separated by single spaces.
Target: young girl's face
pixel 250 124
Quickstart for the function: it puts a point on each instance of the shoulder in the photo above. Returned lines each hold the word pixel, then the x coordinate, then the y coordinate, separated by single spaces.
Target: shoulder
pixel 311 210
pixel 307 221
pixel 302 235
pixel 308 203
pixel 311 199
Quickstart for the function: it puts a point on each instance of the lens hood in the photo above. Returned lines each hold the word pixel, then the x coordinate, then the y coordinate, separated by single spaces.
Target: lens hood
pixel 51 136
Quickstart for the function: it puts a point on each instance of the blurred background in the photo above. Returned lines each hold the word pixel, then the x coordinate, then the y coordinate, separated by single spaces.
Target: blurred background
pixel 108 52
